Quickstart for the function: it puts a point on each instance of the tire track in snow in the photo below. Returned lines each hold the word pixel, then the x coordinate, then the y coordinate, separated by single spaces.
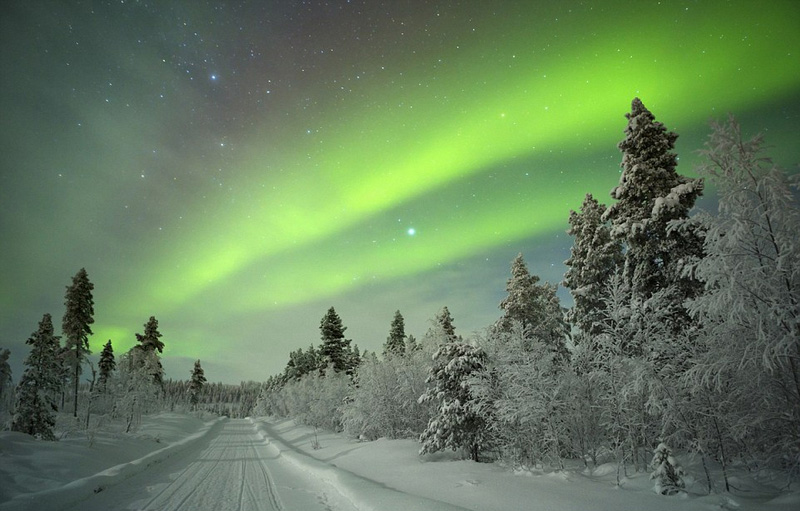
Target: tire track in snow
pixel 236 470
pixel 269 481
pixel 187 477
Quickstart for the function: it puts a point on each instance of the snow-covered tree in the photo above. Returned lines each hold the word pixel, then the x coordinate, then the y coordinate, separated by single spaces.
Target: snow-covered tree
pixel 78 317
pixel 107 364
pixel 459 422
pixel 40 383
pixel 650 195
pixel 535 307
pixel 668 475
pixel 412 344
pixel 582 408
pixel 396 342
pixel 316 399
pixel 520 391
pixel 384 400
pixel 594 258
pixel 335 349
pixel 150 343
pixel 137 390
pixel 150 340
pixel 196 383
pixel 302 362
pixel 749 311
pixel 442 329
pixel 618 354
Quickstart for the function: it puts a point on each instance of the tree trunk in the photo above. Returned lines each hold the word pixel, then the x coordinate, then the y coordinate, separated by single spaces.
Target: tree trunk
pixel 77 377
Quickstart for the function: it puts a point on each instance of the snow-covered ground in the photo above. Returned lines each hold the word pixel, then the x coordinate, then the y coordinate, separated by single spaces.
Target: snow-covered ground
pixel 180 462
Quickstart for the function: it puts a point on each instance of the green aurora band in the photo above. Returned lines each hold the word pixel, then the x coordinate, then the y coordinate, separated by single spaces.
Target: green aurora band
pixel 352 178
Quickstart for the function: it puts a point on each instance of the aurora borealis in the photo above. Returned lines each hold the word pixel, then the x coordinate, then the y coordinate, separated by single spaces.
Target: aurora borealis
pixel 235 168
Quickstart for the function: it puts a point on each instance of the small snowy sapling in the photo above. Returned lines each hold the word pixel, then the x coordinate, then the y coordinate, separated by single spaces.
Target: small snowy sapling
pixel 666 471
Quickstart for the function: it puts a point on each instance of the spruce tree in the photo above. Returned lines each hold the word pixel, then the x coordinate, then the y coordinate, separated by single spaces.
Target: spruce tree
pixel 335 348
pixel 79 314
pixel 150 340
pixel 107 364
pixel 150 343
pixel 196 384
pixel 459 422
pixel 650 195
pixel 594 258
pixel 443 323
pixel 39 384
pixel 535 307
pixel 395 343
pixel 668 475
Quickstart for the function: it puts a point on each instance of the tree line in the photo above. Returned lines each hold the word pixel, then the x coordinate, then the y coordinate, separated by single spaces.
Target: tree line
pixel 124 388
pixel 684 334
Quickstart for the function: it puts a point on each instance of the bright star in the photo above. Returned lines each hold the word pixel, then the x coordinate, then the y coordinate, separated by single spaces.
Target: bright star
pixel 411 231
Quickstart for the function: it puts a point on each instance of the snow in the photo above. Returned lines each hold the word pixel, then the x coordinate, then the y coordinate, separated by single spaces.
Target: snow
pixel 51 474
pixel 179 461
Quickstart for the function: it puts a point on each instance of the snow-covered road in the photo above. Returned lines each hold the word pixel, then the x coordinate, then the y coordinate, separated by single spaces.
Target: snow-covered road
pixel 233 469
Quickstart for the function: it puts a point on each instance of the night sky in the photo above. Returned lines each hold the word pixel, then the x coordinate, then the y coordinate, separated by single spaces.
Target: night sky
pixel 236 168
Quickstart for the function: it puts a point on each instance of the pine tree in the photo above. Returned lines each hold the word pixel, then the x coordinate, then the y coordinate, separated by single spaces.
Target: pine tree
pixel 301 363
pixel 107 364
pixel 335 349
pixel 442 330
pixel 535 307
pixel 395 343
pixel 196 384
pixel 150 343
pixel 40 382
pixel 458 422
pixel 79 314
pixel 353 357
pixel 594 258
pixel 150 340
pixel 650 195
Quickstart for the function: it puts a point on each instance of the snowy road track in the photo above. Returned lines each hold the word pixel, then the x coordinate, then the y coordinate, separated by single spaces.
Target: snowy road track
pixel 234 470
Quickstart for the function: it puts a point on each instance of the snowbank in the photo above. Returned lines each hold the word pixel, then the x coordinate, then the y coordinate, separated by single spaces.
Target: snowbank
pixel 385 468
pixel 72 470
pixel 365 494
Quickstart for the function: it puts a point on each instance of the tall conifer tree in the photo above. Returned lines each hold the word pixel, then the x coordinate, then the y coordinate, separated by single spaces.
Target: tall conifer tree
pixel 650 195
pixel 151 339
pixel 78 317
pixel 535 307
pixel 444 322
pixel 107 364
pixel 593 259
pixel 335 348
pixel 39 384
pixel 196 383
pixel 396 342
pixel 150 343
